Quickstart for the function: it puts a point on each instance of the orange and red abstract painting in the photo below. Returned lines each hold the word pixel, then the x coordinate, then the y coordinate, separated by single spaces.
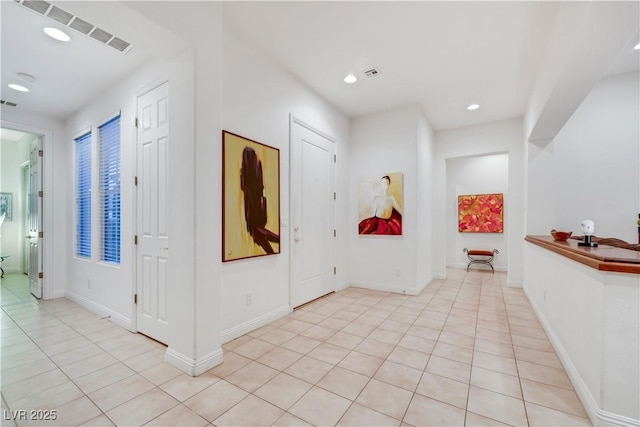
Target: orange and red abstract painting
pixel 480 213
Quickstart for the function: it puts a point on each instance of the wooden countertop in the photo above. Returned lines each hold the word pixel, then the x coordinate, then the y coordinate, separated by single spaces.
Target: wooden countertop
pixel 604 258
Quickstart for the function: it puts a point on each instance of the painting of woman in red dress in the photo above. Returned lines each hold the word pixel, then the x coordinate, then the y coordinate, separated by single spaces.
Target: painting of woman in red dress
pixel 384 209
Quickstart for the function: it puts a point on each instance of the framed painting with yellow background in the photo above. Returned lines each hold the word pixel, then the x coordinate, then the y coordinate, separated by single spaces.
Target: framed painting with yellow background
pixel 481 213
pixel 380 205
pixel 250 198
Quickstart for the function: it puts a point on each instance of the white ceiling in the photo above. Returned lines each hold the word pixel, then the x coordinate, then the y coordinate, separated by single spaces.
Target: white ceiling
pixel 439 55
pixel 69 74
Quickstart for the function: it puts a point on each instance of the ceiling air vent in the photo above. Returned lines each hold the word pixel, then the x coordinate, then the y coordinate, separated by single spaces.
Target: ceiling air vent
pixel 373 72
pixel 10 104
pixel 37 5
pixel 78 24
pixel 119 44
pixel 101 35
pixel 60 15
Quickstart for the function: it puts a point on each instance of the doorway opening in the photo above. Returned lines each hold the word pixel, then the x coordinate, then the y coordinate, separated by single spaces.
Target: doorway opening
pixel 21 187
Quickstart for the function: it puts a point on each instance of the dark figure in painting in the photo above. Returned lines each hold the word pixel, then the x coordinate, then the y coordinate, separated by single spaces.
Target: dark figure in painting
pixel 255 203
pixel 386 218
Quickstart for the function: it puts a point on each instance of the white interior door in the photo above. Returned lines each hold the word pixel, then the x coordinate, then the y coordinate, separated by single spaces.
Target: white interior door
pixel 35 220
pixel 26 191
pixel 152 207
pixel 312 214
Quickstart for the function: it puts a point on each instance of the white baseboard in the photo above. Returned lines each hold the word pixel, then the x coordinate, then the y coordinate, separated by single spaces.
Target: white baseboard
pixel 100 310
pixel 397 289
pixel 342 286
pixel 58 294
pixel 193 367
pixel 424 283
pixel 464 266
pixel 514 284
pixel 598 416
pixel 253 324
pixel 440 276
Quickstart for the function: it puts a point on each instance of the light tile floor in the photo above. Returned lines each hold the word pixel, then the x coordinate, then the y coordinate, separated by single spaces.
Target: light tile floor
pixel 467 351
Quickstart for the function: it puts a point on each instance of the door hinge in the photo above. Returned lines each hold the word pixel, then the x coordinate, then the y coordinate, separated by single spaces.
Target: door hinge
pixel 41 275
pixel 135 181
pixel 135 121
pixel 334 270
pixel 40 234
pixel 40 153
pixel 334 232
pixel 334 195
pixel 135 298
pixel 335 158
pixel 40 193
pixel 135 239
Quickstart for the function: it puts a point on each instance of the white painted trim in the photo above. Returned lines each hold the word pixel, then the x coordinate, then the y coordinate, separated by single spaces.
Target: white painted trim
pixel 58 294
pixel 396 289
pixel 293 120
pixel 463 266
pixel 193 367
pixel 98 309
pixel 597 415
pixel 424 283
pixel 254 324
pixel 440 276
pixel 514 284
pixel 48 248
pixel 342 286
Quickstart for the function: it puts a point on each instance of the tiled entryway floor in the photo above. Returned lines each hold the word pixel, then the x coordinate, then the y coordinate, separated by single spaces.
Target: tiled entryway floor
pixel 467 351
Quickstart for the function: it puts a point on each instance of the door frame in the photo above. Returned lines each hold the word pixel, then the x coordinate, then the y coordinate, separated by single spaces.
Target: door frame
pixel 135 285
pixel 293 120
pixel 25 167
pixel 48 196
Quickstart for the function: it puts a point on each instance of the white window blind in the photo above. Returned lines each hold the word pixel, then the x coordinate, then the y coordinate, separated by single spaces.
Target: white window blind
pixel 109 134
pixel 83 195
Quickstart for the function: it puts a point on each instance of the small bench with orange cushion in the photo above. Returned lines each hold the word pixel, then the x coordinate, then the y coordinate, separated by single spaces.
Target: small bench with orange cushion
pixel 480 256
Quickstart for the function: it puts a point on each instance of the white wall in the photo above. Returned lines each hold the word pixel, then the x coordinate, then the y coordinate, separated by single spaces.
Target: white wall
pixel 596 161
pixel 258 97
pixel 491 138
pixel 592 319
pixel 476 175
pixel 12 155
pixel 591 169
pixel 425 185
pixel 390 142
pixel 109 286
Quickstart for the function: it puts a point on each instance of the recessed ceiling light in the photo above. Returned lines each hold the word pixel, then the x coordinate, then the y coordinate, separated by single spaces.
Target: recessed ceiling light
pixel 57 34
pixel 637 47
pixel 473 107
pixel 19 88
pixel 26 77
pixel 350 79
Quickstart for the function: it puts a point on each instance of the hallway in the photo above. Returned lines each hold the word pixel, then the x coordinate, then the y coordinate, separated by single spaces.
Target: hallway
pixel 467 351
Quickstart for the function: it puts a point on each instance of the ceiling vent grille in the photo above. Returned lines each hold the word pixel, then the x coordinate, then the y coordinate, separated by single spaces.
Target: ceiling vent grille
pixel 81 25
pixel 37 5
pixel 373 72
pixel 10 104
pixel 67 19
pixel 60 15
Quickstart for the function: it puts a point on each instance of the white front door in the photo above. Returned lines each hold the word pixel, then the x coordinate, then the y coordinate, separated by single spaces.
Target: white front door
pixel 35 220
pixel 312 214
pixel 152 257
